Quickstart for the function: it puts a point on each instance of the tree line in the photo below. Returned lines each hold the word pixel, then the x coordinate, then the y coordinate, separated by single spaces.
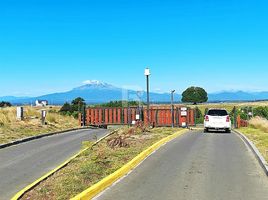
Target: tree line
pixel 5 104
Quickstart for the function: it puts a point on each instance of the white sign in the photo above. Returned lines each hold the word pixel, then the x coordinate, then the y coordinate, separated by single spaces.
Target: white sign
pixel 183 113
pixel 20 113
pixel 137 117
pixel 133 122
pixel 43 113
pixel 183 124
pixel 183 108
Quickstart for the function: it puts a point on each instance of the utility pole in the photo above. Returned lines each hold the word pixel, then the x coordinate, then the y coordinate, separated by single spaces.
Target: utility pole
pixel 172 107
pixel 147 74
pixel 139 94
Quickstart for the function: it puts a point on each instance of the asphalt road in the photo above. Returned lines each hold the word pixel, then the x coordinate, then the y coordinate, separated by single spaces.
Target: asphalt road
pixel 22 164
pixel 196 166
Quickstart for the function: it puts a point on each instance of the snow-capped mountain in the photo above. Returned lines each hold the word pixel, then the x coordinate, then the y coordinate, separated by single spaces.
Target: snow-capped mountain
pixel 94 91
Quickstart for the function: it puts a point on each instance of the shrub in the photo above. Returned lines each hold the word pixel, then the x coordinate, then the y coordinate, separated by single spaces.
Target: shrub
pixel 5 104
pixel 199 116
pixel 73 109
pixel 119 104
pixel 51 118
pixel 65 108
pixel 261 111
pixel 75 114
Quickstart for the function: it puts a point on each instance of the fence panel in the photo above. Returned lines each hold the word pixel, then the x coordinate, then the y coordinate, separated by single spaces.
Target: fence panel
pixel 124 116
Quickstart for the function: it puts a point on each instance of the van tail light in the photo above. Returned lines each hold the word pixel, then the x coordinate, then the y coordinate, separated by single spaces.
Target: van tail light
pixel 228 119
pixel 206 118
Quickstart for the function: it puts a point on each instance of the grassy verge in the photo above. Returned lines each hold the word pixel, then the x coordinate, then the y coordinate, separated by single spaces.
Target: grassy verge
pixel 12 129
pixel 257 132
pixel 227 106
pixel 97 163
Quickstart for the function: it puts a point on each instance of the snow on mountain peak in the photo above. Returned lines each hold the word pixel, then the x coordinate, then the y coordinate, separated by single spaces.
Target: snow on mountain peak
pixel 94 84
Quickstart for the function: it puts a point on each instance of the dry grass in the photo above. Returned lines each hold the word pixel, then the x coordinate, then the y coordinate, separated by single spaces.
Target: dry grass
pixel 12 129
pixel 227 106
pixel 97 163
pixel 257 132
pixel 259 123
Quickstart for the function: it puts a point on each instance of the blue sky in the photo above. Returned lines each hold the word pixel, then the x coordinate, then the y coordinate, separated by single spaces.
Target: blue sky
pixel 48 46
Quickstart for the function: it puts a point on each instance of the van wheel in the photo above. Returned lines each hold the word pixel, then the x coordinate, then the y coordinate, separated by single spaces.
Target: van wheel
pixel 206 130
pixel 227 131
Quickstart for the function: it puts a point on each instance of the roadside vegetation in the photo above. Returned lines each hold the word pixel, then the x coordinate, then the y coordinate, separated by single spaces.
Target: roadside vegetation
pixel 119 104
pixel 242 109
pixel 73 109
pixel 194 95
pixel 12 129
pixel 98 162
pixel 5 104
pixel 257 132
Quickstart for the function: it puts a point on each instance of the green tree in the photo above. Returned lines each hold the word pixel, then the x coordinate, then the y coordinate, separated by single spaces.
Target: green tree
pixel 261 111
pixel 5 104
pixel 66 108
pixel 198 113
pixel 119 104
pixel 78 104
pixel 206 111
pixel 198 116
pixel 74 108
pixel 194 95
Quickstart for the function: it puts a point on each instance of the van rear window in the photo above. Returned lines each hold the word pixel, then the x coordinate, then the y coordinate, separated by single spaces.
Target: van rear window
pixel 217 112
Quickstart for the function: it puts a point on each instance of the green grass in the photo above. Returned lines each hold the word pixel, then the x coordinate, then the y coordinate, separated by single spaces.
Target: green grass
pixel 259 138
pixel 228 106
pixel 97 163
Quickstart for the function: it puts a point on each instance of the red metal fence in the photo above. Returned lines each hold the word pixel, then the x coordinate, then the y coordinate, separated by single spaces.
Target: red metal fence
pixel 122 116
pixel 240 122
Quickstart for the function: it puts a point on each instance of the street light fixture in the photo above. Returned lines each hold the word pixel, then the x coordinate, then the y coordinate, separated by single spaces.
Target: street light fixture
pixel 172 107
pixel 147 74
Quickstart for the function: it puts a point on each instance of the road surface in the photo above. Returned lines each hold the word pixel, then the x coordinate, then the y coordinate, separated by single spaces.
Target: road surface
pixel 22 164
pixel 196 166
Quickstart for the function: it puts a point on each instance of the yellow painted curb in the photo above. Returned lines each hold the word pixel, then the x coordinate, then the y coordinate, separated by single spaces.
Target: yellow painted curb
pixel 109 180
pixel 29 187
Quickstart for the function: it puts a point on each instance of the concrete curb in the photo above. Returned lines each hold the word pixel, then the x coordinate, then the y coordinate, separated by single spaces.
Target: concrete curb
pixel 40 136
pixel 256 152
pixel 38 181
pixel 112 178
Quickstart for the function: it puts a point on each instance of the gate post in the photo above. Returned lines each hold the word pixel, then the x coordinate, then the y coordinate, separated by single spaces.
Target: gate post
pixel 177 117
pixel 84 115
pixel 235 118
pixel 238 121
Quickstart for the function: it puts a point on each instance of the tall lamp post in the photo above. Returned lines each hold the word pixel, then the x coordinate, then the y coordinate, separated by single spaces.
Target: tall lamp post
pixel 172 107
pixel 147 74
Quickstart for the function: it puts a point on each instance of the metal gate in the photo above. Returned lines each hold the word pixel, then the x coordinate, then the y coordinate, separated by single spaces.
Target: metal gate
pixel 158 117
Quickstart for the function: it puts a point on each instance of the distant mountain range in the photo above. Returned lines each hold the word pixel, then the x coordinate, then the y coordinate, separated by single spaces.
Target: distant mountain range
pixel 100 92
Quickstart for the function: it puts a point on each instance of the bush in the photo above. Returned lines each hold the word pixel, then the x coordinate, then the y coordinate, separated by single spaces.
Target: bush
pixel 66 108
pixel 73 109
pixel 52 118
pixel 261 111
pixel 119 104
pixel 199 116
pixel 5 104
pixel 75 114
